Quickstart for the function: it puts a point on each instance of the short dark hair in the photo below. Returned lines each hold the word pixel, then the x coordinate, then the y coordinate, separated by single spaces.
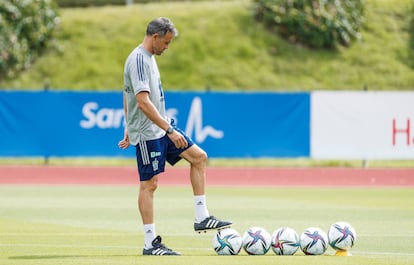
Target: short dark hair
pixel 161 26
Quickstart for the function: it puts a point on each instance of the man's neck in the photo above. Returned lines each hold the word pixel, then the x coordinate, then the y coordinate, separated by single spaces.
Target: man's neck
pixel 147 45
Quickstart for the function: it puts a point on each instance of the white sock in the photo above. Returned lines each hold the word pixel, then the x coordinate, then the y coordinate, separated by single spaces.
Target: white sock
pixel 149 235
pixel 200 206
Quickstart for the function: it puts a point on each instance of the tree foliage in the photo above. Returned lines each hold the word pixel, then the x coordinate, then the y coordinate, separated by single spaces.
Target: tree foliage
pixel 26 27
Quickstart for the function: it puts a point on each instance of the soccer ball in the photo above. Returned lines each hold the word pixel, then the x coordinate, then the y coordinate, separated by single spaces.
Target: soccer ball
pixel 285 241
pixel 227 242
pixel 256 241
pixel 341 236
pixel 313 241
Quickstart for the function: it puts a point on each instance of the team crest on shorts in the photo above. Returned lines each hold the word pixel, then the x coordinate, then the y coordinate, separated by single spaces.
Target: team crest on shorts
pixel 155 164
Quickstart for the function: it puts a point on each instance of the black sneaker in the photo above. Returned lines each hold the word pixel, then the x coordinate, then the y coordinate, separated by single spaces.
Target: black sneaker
pixel 211 223
pixel 159 249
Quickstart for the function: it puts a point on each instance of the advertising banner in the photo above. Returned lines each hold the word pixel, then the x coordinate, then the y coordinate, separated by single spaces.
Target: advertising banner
pixel 60 123
pixel 362 125
pixel 234 125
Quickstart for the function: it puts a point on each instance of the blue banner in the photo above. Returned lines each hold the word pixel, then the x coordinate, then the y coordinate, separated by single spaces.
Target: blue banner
pixel 233 125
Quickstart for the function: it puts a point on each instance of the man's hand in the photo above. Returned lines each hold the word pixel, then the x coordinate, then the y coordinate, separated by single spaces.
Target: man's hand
pixel 178 139
pixel 124 143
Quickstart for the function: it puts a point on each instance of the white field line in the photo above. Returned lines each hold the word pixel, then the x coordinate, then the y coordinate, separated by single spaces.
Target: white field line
pixel 377 253
pixel 135 234
pixel 355 253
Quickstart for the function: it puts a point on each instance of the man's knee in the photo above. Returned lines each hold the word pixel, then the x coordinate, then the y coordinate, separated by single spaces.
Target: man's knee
pixel 195 156
pixel 149 185
pixel 201 157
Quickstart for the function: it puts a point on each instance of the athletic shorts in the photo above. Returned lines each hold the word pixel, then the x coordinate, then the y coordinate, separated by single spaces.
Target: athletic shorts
pixel 151 155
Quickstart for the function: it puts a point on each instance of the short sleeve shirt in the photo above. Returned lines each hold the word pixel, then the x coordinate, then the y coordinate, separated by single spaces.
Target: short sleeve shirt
pixel 141 74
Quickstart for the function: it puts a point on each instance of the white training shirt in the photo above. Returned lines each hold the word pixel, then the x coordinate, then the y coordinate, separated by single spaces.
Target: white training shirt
pixel 141 74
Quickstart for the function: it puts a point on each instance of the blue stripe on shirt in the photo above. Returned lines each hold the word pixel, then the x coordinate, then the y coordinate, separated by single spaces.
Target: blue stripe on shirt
pixel 140 67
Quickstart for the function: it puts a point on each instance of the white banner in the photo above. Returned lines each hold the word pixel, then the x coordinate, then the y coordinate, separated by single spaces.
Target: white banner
pixel 362 125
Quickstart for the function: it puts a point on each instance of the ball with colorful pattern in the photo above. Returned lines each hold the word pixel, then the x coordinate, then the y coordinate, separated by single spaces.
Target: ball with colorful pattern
pixel 256 241
pixel 314 241
pixel 342 236
pixel 285 241
pixel 227 242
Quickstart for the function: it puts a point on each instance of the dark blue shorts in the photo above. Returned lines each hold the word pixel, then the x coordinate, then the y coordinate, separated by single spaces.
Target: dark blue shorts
pixel 152 154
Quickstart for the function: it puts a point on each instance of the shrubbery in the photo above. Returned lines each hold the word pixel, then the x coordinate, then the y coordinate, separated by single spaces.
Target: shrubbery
pixel 315 23
pixel 26 27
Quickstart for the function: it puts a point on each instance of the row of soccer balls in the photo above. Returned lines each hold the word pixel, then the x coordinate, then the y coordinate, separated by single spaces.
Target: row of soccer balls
pixel 285 241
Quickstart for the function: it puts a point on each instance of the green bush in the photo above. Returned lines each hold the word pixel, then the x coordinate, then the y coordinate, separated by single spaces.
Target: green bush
pixel 315 23
pixel 26 27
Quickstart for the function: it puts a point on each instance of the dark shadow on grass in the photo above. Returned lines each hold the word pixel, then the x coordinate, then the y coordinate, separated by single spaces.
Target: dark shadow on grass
pixel 407 57
pixel 411 40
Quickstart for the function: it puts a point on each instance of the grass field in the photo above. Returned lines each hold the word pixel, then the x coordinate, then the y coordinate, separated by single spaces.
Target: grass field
pixel 101 225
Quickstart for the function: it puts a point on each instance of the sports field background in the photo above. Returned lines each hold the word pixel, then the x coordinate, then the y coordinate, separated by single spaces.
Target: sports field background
pixel 98 222
pixel 54 215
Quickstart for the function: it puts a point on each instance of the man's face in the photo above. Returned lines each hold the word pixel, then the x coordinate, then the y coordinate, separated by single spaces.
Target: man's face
pixel 160 44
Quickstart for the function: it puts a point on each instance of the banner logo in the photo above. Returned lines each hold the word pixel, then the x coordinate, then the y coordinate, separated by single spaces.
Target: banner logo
pixel 107 118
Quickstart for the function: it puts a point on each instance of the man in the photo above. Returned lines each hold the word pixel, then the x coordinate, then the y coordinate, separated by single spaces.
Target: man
pixel 156 137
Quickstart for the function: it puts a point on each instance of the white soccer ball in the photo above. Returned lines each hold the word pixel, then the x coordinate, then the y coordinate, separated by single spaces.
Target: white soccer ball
pixel 313 241
pixel 256 241
pixel 227 242
pixel 341 236
pixel 285 241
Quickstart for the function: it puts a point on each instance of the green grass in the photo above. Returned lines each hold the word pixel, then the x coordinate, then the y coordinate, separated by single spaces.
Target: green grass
pixel 221 47
pixel 101 225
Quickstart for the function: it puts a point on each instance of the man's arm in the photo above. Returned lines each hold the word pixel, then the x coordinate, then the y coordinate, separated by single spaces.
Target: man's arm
pixel 124 143
pixel 146 106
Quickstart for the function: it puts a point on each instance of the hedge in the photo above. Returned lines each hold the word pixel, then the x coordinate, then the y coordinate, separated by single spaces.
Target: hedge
pixel 315 23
